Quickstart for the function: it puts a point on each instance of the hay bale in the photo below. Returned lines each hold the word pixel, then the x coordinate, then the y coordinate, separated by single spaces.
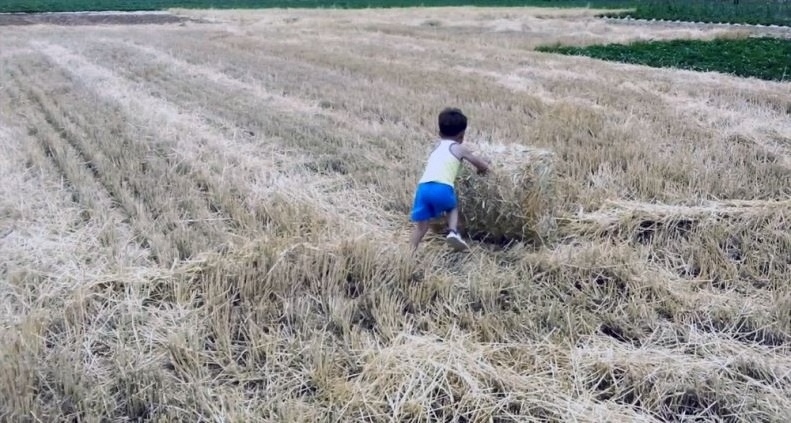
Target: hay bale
pixel 514 202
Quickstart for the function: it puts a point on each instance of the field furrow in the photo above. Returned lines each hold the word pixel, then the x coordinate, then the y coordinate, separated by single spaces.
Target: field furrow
pixel 68 162
pixel 68 132
pixel 333 147
pixel 334 79
pixel 55 195
pixel 198 151
pixel 372 137
pixel 232 180
pixel 275 135
pixel 246 111
pixel 101 164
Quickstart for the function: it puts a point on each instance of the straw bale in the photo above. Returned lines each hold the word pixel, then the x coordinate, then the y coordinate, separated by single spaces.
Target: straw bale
pixel 515 201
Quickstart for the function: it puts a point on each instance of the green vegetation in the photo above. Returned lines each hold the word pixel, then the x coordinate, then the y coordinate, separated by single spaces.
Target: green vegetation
pixel 763 12
pixel 764 58
pixel 128 5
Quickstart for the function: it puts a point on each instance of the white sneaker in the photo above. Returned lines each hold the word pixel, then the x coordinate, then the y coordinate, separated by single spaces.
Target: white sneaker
pixel 455 242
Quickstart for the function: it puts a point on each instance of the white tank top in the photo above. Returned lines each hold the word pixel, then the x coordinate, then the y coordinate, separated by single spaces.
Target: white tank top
pixel 442 165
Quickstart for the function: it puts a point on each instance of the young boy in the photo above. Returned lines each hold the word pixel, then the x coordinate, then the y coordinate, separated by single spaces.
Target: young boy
pixel 435 194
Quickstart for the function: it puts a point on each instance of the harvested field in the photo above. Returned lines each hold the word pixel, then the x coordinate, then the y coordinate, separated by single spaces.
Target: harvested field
pixel 90 18
pixel 206 221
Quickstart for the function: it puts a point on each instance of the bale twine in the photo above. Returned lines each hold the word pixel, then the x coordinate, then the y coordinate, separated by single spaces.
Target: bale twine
pixel 514 202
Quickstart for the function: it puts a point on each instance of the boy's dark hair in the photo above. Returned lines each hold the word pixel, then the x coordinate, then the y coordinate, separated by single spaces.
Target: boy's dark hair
pixel 451 122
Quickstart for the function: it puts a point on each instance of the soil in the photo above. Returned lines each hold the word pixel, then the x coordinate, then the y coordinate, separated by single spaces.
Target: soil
pixel 90 18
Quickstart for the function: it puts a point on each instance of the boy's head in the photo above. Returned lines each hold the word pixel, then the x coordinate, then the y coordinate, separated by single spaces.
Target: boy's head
pixel 452 124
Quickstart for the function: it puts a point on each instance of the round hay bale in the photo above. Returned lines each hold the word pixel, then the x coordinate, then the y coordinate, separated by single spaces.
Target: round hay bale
pixel 514 202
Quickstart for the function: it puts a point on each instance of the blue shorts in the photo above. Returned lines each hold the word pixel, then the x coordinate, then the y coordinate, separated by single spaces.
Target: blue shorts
pixel 432 199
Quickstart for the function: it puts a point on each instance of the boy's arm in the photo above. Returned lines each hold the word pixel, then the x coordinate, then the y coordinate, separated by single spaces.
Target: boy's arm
pixel 479 162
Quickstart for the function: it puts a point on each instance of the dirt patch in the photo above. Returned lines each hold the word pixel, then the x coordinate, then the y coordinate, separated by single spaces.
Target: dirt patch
pixel 91 18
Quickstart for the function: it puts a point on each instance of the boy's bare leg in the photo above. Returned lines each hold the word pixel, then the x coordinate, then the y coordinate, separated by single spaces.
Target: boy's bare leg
pixel 453 220
pixel 420 231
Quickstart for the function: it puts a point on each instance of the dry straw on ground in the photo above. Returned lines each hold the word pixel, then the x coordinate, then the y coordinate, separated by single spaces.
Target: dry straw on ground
pixel 270 158
pixel 461 379
pixel 627 218
pixel 515 201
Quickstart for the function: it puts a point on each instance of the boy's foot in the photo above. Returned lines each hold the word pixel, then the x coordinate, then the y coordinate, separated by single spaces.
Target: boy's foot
pixel 455 242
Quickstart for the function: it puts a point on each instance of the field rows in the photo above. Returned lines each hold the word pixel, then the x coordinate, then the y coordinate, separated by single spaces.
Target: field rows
pixel 210 221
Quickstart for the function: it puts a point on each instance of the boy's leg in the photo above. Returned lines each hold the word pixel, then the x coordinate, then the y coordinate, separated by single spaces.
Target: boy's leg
pixel 453 238
pixel 451 204
pixel 418 233
pixel 453 220
pixel 422 213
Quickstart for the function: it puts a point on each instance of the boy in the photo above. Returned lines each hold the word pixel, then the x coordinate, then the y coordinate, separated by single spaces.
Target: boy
pixel 435 192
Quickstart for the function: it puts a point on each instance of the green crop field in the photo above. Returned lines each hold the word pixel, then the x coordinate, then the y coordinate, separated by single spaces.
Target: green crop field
pixel 753 12
pixel 764 58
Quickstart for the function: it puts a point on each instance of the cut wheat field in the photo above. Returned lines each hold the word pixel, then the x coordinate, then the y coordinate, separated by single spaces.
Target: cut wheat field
pixel 208 221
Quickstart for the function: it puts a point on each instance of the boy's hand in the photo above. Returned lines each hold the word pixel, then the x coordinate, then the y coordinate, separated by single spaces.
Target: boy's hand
pixel 485 170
